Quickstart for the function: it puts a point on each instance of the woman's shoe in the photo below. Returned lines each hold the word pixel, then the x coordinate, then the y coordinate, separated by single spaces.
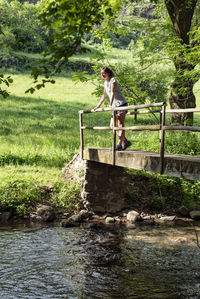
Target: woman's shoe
pixel 118 146
pixel 126 143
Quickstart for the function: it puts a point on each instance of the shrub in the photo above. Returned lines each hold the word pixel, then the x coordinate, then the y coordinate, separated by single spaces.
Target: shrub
pixel 186 143
pixel 25 32
pixel 66 196
pixel 7 41
pixel 160 193
pixel 20 193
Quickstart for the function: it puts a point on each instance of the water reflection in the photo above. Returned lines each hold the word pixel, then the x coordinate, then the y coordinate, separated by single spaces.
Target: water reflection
pixel 102 251
pixel 99 262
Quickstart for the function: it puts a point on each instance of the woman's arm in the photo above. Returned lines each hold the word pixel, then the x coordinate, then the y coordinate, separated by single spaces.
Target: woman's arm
pixel 113 86
pixel 102 100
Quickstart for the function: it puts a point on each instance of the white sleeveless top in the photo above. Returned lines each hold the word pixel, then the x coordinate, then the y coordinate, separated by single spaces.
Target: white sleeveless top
pixel 119 98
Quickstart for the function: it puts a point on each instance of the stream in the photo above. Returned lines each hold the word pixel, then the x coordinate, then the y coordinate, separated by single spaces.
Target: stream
pixel 107 261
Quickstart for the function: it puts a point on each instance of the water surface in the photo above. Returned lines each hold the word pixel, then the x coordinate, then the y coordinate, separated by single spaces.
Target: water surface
pixel 108 262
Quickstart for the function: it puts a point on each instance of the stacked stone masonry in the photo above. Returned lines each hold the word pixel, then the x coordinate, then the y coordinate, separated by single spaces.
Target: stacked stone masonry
pixel 103 185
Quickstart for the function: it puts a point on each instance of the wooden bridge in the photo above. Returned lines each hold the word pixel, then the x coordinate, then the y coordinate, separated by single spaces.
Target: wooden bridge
pixel 187 167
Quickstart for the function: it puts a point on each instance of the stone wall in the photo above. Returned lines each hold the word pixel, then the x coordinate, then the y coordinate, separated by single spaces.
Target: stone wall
pixel 103 186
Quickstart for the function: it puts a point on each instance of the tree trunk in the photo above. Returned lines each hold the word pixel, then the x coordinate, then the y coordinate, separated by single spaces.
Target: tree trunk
pixel 181 13
pixel 123 11
pixel 179 101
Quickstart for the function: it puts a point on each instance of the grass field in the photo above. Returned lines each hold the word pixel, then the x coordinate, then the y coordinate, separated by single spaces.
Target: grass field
pixel 45 125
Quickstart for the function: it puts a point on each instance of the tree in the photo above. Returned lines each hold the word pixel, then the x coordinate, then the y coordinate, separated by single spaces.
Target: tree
pixel 181 13
pixel 21 27
pixel 4 80
pixel 19 30
pixel 174 33
pixel 69 20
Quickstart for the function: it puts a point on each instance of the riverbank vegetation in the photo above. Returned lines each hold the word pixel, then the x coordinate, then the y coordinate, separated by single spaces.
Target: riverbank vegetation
pixel 39 132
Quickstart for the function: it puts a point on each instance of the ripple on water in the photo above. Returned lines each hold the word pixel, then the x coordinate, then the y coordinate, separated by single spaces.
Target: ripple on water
pixel 112 262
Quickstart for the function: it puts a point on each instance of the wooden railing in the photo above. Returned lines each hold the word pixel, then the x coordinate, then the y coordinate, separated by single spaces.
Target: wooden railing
pixel 135 110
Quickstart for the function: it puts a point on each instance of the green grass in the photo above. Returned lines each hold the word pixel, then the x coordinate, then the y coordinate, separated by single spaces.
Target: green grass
pixel 44 127
pixel 39 134
pixel 23 187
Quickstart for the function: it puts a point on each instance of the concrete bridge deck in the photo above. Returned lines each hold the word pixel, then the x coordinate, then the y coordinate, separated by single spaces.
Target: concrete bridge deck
pixel 187 167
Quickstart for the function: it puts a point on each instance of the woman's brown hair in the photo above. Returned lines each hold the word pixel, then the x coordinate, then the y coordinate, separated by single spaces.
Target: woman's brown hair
pixel 108 71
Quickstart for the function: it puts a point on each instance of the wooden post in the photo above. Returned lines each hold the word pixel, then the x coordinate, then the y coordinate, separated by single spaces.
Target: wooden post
pixel 135 116
pixel 162 138
pixel 114 138
pixel 81 133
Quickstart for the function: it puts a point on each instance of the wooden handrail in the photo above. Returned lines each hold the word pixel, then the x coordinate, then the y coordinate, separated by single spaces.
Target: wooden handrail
pixel 133 128
pixel 182 128
pixel 96 128
pixel 161 127
pixel 143 112
pixel 133 107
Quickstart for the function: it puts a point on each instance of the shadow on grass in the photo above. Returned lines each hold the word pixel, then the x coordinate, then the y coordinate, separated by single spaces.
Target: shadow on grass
pixel 33 115
pixel 37 131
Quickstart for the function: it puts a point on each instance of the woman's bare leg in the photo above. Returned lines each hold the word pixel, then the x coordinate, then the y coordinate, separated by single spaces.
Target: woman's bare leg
pixel 120 119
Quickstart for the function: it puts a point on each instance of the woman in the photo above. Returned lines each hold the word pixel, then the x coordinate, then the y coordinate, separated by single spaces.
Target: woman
pixel 117 99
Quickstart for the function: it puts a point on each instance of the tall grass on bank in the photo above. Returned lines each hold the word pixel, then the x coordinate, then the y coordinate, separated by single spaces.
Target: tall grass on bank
pixel 23 187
